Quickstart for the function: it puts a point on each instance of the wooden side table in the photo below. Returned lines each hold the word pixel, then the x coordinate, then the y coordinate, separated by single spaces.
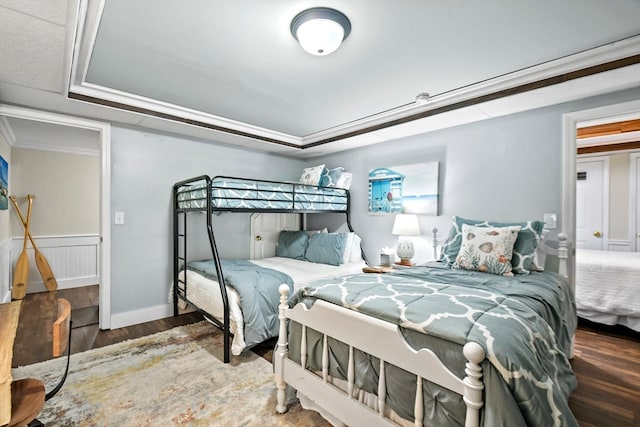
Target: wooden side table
pixel 9 314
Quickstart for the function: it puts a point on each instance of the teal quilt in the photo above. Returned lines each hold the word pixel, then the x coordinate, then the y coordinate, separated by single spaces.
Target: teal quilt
pixel 257 288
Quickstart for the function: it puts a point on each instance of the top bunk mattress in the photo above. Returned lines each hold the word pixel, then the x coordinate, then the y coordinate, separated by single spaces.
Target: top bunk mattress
pixel 229 193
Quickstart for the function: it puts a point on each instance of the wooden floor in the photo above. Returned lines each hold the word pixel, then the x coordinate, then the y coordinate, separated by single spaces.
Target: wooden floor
pixel 606 363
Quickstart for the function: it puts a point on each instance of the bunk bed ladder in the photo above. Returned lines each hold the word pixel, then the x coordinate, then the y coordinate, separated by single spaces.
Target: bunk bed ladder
pixel 180 260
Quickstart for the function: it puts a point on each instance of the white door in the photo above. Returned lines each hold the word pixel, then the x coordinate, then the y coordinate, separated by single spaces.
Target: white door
pixel 637 210
pixel 265 229
pixel 592 202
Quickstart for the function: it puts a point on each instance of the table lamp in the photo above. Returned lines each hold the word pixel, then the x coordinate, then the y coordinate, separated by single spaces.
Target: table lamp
pixel 405 226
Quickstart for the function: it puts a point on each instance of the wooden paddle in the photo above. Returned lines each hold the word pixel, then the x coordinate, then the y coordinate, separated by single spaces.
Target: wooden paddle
pixel 41 262
pixel 21 271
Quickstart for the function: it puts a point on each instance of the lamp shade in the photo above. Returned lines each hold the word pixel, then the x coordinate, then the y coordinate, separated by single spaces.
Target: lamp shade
pixel 320 30
pixel 406 225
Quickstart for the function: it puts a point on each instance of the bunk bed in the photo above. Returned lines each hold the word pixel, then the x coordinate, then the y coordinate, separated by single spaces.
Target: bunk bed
pixel 452 347
pixel 208 285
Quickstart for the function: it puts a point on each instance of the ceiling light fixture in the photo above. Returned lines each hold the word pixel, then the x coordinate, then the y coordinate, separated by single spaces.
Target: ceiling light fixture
pixel 320 30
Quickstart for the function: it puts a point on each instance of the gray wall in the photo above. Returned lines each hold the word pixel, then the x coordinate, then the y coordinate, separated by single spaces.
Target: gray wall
pixel 144 167
pixel 503 169
pixel 508 168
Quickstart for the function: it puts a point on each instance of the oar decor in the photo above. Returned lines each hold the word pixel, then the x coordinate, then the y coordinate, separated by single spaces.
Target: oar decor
pixel 41 261
pixel 21 271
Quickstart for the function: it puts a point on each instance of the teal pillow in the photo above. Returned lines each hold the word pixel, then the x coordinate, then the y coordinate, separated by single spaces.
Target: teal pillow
pixel 292 244
pixel 326 248
pixel 524 250
pixel 330 177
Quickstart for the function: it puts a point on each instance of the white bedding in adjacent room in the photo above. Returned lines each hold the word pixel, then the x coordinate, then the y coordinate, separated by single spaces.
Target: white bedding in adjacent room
pixel 205 293
pixel 608 287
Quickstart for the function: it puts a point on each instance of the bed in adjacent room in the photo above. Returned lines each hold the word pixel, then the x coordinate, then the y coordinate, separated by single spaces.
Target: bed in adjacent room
pixel 608 287
pixel 480 338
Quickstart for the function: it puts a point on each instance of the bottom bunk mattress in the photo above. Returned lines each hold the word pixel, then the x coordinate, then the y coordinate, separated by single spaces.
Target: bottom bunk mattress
pixel 608 287
pixel 203 291
pixel 524 323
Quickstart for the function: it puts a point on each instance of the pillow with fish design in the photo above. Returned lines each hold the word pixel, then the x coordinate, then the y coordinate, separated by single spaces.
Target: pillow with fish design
pixel 487 249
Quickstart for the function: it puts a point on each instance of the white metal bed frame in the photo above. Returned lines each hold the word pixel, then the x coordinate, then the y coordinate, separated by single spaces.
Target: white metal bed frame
pixel 382 340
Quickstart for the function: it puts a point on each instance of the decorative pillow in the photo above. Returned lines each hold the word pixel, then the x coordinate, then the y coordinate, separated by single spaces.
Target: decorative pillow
pixel 292 244
pixel 326 248
pixel 311 176
pixel 524 250
pixel 344 181
pixel 330 177
pixel 487 249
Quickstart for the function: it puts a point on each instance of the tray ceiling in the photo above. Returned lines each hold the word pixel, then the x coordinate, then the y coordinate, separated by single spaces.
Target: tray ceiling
pixel 233 69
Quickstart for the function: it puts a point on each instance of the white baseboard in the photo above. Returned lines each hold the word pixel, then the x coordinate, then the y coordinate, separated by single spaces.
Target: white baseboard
pixel 120 320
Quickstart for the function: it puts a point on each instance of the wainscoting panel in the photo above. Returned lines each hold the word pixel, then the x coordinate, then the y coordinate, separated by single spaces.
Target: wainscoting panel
pixel 74 260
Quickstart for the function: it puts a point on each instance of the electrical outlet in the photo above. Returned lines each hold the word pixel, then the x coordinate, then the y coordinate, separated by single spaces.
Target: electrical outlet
pixel 550 221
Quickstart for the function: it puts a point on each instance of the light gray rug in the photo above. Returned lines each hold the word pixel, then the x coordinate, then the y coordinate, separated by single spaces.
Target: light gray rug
pixel 171 378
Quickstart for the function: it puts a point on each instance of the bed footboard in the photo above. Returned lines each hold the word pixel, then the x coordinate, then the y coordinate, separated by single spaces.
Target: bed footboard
pixel 377 338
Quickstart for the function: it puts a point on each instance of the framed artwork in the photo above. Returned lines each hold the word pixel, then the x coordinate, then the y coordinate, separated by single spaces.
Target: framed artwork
pixel 409 189
pixel 4 184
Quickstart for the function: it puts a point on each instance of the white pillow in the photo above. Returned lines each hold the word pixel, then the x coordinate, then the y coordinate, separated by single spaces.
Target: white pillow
pixel 312 232
pixel 344 181
pixel 311 176
pixel 356 252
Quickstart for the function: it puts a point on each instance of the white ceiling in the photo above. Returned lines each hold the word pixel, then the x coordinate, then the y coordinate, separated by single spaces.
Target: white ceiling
pixel 230 70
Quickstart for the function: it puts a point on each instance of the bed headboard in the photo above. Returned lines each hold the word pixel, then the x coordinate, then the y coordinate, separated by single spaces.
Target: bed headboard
pixel 554 253
pixel 265 229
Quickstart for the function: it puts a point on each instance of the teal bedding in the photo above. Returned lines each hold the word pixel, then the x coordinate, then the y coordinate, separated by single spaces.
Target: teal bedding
pixel 524 323
pixel 239 193
pixel 257 288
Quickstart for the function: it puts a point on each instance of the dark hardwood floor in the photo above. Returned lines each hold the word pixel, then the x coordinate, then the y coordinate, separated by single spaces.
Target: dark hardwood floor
pixel 606 363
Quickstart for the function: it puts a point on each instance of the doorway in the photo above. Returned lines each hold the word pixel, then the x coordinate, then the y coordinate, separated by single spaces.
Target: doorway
pixel 103 131
pixel 569 126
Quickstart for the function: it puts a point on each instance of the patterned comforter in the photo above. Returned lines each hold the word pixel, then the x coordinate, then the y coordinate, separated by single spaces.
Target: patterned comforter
pixel 240 193
pixel 524 323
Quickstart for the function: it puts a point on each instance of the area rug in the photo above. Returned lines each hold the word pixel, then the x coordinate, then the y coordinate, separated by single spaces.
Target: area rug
pixel 172 378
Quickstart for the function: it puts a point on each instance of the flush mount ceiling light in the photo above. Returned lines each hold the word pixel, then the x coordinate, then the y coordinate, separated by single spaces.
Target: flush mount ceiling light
pixel 320 30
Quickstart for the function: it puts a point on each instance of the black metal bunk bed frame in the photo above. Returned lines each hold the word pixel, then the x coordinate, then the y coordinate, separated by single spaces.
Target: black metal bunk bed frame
pixel 180 259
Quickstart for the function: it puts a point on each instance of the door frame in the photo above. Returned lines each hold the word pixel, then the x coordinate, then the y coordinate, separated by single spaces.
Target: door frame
pixel 605 192
pixel 634 200
pixel 104 131
pixel 569 153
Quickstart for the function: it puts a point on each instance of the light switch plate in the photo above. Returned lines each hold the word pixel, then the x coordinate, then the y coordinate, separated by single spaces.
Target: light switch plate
pixel 119 218
pixel 550 221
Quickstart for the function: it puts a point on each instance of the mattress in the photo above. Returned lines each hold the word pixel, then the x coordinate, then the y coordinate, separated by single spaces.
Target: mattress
pixel 239 193
pixel 205 293
pixel 607 287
